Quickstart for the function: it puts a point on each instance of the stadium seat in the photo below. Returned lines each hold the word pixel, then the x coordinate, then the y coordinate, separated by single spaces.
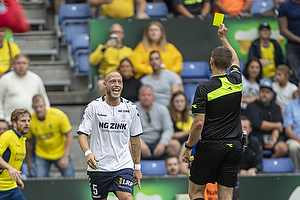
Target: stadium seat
pixel 278 165
pixel 153 167
pixel 83 65
pixel 76 11
pixel 73 19
pixel 80 42
pixel 72 29
pixel 197 71
pixel 80 52
pixel 189 90
pixel 155 9
pixel 260 6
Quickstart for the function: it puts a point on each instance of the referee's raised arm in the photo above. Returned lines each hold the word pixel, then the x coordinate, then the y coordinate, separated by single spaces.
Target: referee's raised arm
pixel 222 32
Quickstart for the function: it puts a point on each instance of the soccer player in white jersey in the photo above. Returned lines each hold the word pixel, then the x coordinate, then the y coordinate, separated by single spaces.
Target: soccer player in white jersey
pixel 112 122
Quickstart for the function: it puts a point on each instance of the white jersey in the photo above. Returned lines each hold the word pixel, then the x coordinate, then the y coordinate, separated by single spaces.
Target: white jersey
pixel 110 129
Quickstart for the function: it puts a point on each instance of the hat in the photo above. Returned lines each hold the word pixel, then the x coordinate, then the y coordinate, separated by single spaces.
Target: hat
pixel 265 83
pixel 264 25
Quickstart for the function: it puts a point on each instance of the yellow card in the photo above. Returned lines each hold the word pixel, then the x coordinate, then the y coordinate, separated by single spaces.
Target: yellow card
pixel 218 19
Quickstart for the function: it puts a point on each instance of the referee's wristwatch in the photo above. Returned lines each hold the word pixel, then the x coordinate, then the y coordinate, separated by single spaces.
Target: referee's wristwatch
pixel 187 146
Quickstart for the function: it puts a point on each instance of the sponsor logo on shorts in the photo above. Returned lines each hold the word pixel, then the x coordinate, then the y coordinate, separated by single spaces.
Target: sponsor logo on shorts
pixel 125 182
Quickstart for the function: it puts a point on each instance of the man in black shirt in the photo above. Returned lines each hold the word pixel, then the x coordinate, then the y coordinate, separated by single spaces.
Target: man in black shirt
pixel 217 125
pixel 266 120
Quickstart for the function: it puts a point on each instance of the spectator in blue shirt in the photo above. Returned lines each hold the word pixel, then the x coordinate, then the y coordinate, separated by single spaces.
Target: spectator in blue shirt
pixel 291 123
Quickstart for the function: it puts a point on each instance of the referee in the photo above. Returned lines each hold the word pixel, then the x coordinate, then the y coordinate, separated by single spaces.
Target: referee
pixel 217 125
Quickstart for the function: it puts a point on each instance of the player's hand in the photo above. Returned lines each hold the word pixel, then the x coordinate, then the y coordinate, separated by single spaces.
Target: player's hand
pixel 20 184
pixel 63 163
pixel 14 174
pixel 91 160
pixel 222 32
pixel 159 149
pixel 137 176
pixel 187 156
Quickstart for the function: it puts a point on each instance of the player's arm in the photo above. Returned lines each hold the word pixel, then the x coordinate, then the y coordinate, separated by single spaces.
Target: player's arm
pixel 136 156
pixel 195 134
pixel 14 173
pixel 64 161
pixel 222 33
pixel 91 159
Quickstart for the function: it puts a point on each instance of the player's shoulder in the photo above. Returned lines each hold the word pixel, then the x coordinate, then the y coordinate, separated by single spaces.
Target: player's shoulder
pixel 128 103
pixel 97 102
pixel 7 135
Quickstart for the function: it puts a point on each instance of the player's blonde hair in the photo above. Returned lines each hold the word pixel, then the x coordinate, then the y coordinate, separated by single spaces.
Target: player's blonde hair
pixel 17 113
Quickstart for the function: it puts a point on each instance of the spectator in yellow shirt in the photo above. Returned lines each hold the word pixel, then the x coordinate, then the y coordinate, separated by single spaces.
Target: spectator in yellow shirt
pixel 120 9
pixel 8 51
pixel 52 131
pixel 109 55
pixel 154 38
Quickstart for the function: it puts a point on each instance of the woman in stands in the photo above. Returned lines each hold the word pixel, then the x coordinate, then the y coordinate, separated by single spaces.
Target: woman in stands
pixel 181 116
pixel 154 38
pixel 131 85
pixel 251 77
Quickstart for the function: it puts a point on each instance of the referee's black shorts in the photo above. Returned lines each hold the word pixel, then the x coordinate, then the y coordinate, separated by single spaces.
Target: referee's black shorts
pixel 216 161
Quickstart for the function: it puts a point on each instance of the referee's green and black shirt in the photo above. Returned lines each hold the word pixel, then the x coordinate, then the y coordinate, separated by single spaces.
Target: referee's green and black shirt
pixel 219 99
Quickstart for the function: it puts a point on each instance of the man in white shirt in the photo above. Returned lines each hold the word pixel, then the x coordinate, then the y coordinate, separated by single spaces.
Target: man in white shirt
pixel 112 122
pixel 18 87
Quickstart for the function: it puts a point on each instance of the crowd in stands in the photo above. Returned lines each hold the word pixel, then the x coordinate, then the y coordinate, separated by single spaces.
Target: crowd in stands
pixel 151 77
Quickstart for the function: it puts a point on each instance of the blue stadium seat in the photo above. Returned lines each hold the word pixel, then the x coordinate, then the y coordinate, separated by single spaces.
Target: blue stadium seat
pixel 278 165
pixel 156 9
pixel 76 11
pixel 197 71
pixel 80 51
pixel 73 19
pixel 80 42
pixel 83 65
pixel 189 90
pixel 73 29
pixel 260 6
pixel 153 167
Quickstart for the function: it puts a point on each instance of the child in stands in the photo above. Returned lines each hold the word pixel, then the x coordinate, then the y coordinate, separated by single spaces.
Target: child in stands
pixel 285 90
